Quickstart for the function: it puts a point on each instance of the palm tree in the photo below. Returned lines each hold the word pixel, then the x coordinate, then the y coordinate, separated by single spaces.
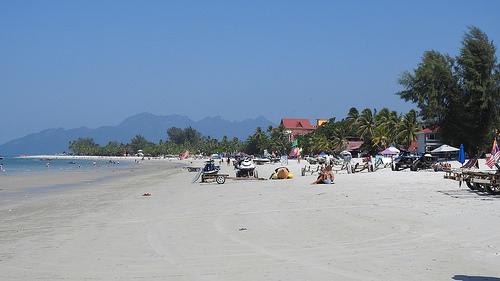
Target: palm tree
pixel 380 139
pixel 366 124
pixel 305 142
pixel 352 115
pixel 320 143
pixel 340 134
pixel 394 121
pixel 382 116
pixel 386 127
pixel 408 127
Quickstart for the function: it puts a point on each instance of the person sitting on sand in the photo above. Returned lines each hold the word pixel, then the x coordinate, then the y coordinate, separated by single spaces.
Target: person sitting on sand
pixel 325 176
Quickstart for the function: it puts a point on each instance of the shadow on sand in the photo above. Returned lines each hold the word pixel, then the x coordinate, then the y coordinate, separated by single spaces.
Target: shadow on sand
pixel 474 278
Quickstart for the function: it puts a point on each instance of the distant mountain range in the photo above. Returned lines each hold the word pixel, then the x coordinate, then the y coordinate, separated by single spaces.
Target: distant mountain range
pixel 152 127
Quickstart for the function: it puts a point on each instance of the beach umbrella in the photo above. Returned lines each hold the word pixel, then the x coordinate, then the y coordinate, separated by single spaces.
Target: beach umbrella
pixel 461 154
pixel 445 148
pixel 391 150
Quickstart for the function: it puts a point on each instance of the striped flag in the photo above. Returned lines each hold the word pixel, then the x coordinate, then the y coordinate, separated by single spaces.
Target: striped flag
pixel 495 154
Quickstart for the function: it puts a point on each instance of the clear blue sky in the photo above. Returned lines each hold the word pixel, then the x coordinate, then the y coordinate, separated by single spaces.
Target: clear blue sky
pixel 92 63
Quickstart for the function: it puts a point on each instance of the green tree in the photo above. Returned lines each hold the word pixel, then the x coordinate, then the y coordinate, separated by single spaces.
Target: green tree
pixel 380 138
pixel 478 69
pixel 224 145
pixel 460 95
pixel 138 143
pixel 408 128
pixel 279 141
pixel 257 142
pixel 340 133
pixel 366 124
pixel 432 86
pixel 192 136
pixel 176 135
pixel 352 115
pixel 113 148
pixel 305 142
pixel 320 143
pixel 386 129
pixel 84 146
pixel 235 145
pixel 183 136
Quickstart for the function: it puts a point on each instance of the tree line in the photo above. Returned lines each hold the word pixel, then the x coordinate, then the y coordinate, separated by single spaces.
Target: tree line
pixel 178 140
pixel 377 130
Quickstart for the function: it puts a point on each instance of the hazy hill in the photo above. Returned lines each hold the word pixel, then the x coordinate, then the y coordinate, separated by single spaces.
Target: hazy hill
pixel 153 127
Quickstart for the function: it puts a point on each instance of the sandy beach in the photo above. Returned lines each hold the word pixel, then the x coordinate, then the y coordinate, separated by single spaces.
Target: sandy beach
pixel 369 226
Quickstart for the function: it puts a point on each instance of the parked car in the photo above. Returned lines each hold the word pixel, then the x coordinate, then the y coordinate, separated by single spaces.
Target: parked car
pixel 404 160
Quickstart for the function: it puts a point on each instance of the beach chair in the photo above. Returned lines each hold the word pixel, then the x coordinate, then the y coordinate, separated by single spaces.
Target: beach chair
pixel 358 167
pixel 379 164
pixel 471 163
pixel 311 169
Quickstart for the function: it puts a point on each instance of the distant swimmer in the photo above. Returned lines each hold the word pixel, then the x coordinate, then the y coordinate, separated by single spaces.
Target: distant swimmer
pixel 47 165
pixel 94 163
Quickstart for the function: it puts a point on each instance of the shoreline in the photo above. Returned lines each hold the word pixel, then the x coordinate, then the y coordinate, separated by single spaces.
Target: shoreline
pixel 89 157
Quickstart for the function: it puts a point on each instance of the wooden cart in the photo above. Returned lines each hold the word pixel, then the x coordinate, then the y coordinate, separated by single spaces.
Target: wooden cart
pixel 218 178
pixel 476 180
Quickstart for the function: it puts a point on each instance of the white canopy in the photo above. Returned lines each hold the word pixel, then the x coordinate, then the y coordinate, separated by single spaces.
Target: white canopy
pixel 445 148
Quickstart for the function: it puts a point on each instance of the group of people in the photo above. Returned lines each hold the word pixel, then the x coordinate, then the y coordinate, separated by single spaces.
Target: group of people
pixel 325 175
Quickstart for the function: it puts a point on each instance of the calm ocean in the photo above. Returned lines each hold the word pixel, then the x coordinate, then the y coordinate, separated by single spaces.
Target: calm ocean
pixel 20 165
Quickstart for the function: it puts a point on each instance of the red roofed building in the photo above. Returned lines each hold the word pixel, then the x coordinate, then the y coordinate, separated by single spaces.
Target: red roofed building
pixel 428 139
pixel 354 145
pixel 297 126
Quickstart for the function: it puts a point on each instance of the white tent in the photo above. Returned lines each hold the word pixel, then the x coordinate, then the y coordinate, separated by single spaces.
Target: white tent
pixel 445 148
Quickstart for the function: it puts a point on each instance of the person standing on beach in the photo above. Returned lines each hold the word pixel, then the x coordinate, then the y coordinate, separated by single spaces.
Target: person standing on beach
pixel 1 168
